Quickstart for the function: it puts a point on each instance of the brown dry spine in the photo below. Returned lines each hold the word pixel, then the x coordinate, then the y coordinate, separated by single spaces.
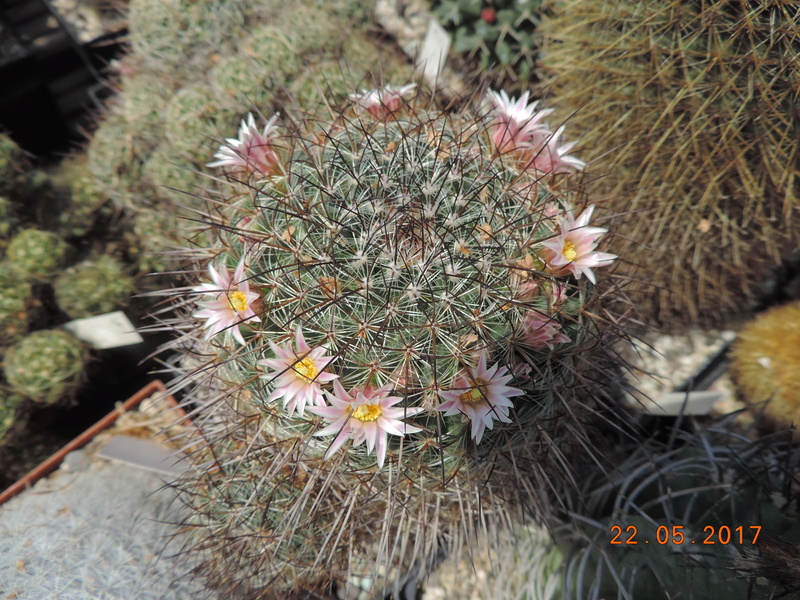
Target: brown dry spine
pixel 689 112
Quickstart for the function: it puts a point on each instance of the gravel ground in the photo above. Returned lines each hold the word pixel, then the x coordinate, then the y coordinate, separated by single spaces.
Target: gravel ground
pixel 92 534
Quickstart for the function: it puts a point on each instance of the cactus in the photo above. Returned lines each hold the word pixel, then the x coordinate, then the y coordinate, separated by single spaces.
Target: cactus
pixel 194 119
pixel 765 364
pixel 34 254
pixel 143 102
pixel 12 162
pixel 8 408
pixel 155 235
pixel 115 158
pixel 14 293
pixel 81 204
pixel 697 99
pixel 393 279
pixel 175 35
pixel 93 287
pixel 242 80
pixel 696 508
pixel 7 223
pixel 45 366
pixel 497 35
pixel 271 49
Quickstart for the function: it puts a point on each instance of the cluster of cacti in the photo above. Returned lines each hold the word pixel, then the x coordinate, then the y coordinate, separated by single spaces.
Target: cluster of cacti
pixel 398 304
pixel 689 117
pixel 45 365
pixel 44 226
pixel 159 131
pixel 498 34
pixel 766 364
pixel 695 518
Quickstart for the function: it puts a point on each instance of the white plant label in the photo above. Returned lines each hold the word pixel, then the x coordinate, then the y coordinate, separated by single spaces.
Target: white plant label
pixel 102 332
pixel 434 51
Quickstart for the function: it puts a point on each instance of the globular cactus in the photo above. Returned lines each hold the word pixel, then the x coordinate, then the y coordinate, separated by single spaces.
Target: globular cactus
pixel 45 366
pixel 92 287
pixel 34 254
pixel 497 35
pixel 399 302
pixel 115 156
pixel 765 364
pixel 14 293
pixel 8 409
pixel 194 118
pixel 82 205
pixel 689 519
pixel 690 120
pixel 12 162
pixel 175 35
pixel 7 223
pixel 154 237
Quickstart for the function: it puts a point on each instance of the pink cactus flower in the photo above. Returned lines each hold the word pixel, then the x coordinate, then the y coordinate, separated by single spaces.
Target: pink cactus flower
pixel 252 152
pixel 382 102
pixel 231 302
pixel 480 395
pixel 552 158
pixel 573 250
pixel 538 331
pixel 369 415
pixel 516 124
pixel 298 373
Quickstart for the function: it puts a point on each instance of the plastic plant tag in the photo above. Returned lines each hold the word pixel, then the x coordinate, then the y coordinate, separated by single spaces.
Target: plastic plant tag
pixel 102 332
pixel 143 453
pixel 673 404
pixel 434 51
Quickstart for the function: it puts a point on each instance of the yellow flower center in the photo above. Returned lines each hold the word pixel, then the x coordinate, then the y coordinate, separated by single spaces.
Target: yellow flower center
pixel 367 412
pixel 305 369
pixel 569 251
pixel 237 300
pixel 476 393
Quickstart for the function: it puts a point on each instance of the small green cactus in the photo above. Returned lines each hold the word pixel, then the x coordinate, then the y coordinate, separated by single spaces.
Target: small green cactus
pixel 195 119
pixel 115 159
pixel 92 287
pixel 242 79
pixel 8 409
pixel 271 50
pixel 155 234
pixel 12 162
pixel 82 203
pixel 35 254
pixel 498 34
pixel 7 223
pixel 14 292
pixel 45 366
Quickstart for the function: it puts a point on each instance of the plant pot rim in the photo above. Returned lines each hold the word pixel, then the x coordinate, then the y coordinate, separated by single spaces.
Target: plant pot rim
pixel 52 463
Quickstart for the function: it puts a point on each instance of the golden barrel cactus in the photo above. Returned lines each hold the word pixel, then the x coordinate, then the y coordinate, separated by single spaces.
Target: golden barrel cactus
pixel 766 363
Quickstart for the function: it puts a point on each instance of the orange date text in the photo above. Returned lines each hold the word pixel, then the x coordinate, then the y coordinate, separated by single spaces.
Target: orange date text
pixel 675 535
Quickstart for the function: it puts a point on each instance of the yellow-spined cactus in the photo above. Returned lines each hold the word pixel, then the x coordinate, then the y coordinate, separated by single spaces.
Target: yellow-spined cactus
pixel 766 363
